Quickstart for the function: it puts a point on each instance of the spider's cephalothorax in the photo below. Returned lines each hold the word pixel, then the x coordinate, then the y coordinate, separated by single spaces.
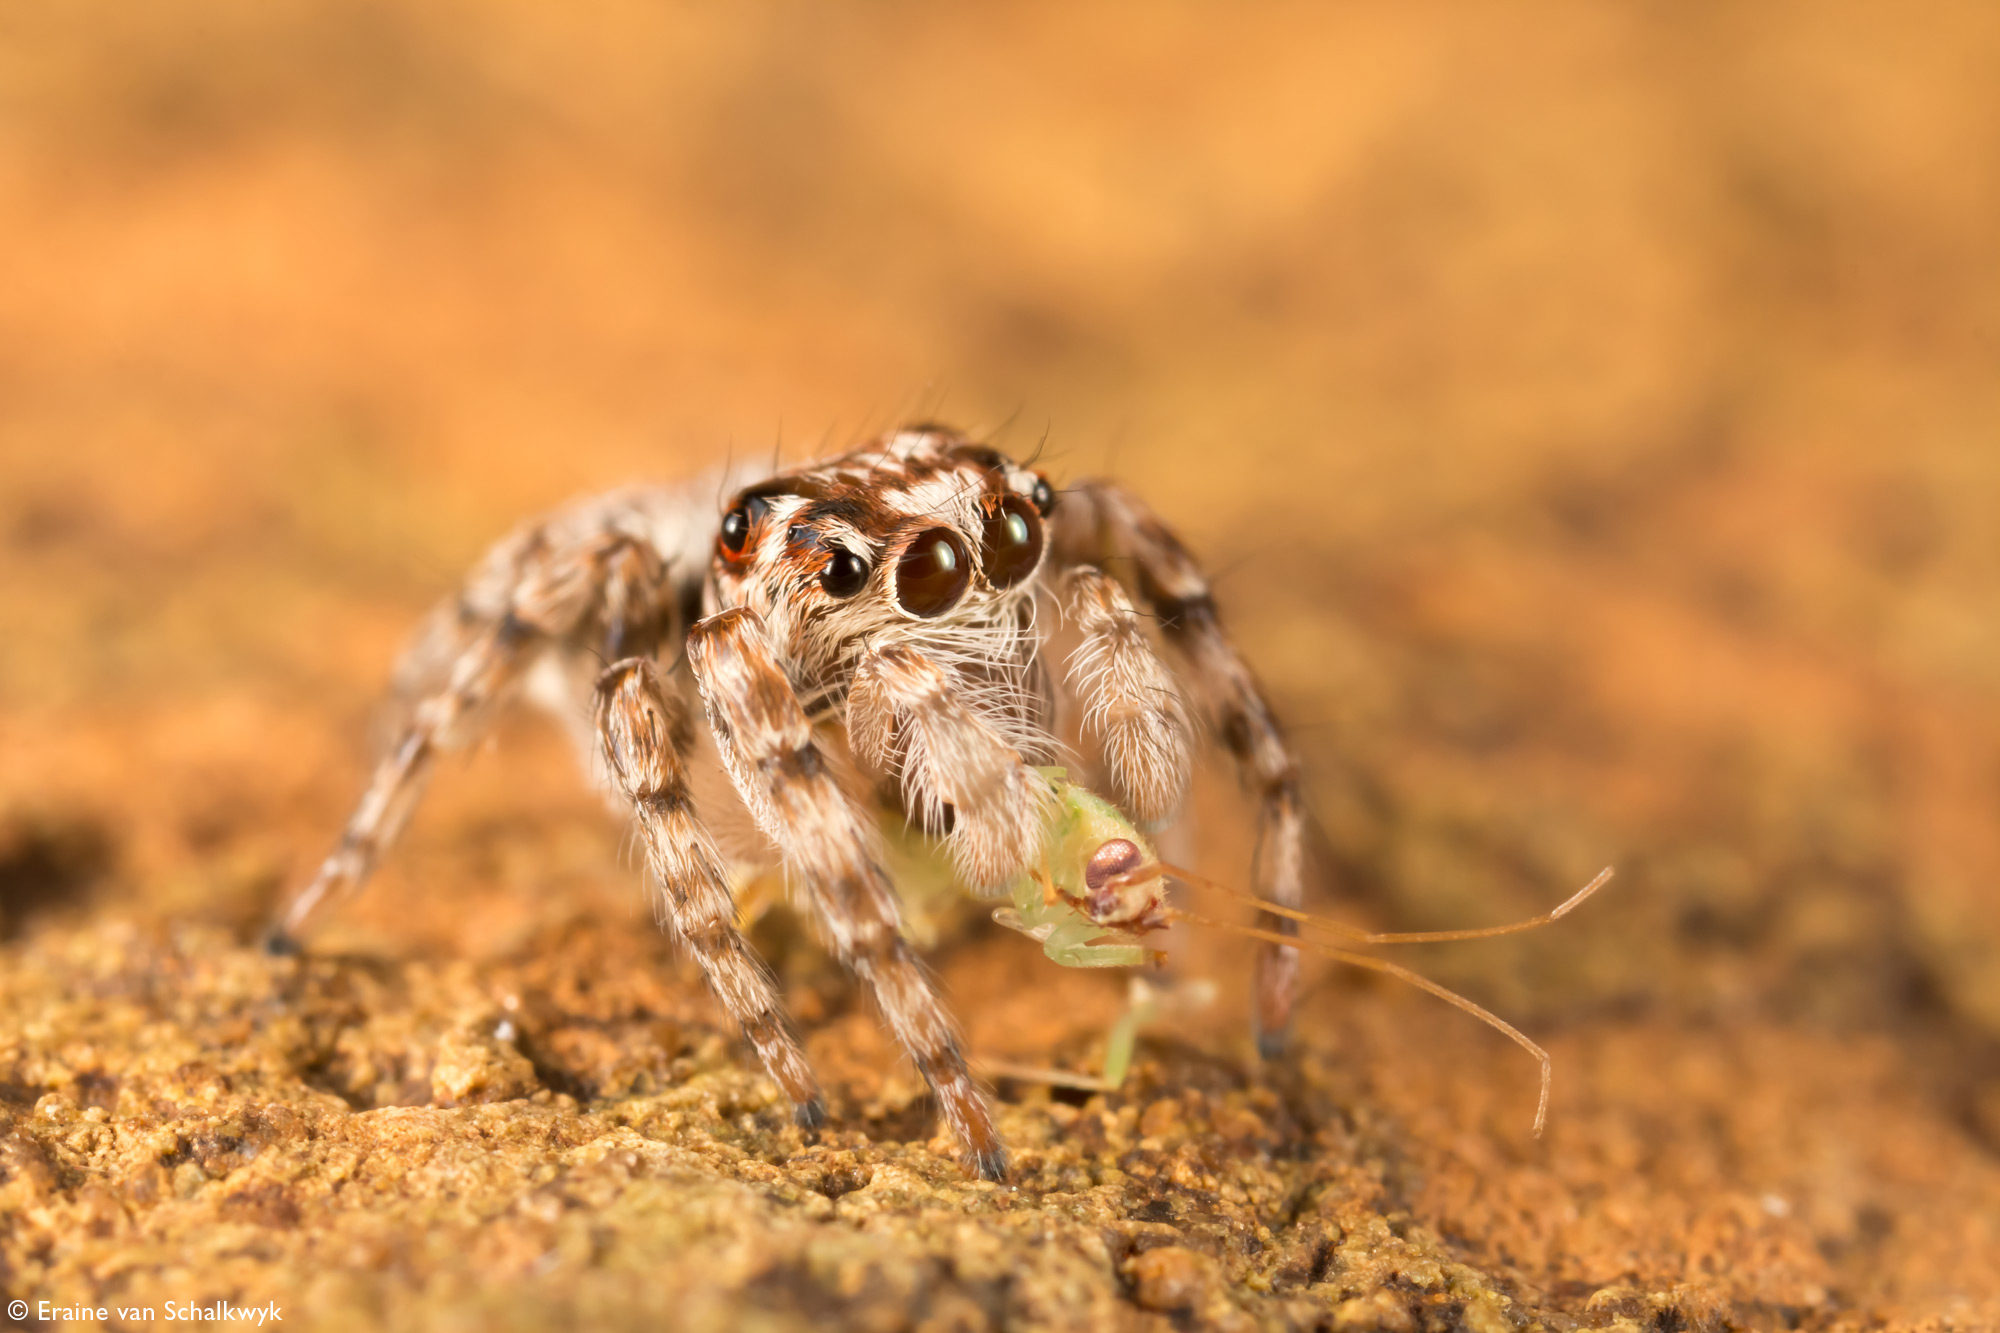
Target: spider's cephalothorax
pixel 925 540
pixel 891 574
pixel 901 591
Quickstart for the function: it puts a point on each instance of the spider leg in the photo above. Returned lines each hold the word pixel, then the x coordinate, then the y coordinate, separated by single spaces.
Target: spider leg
pixel 490 663
pixel 1131 703
pixel 580 580
pixel 1098 523
pixel 951 757
pixel 768 747
pixel 643 728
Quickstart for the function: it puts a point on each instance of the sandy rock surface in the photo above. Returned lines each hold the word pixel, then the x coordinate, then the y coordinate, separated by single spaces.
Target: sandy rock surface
pixel 572 1133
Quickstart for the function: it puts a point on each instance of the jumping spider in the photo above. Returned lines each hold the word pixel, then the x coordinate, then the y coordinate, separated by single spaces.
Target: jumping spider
pixel 905 590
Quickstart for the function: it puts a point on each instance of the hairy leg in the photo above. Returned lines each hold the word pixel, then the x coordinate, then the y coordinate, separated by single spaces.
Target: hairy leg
pixel 904 706
pixel 768 746
pixel 1131 704
pixel 643 728
pixel 1098 523
pixel 581 579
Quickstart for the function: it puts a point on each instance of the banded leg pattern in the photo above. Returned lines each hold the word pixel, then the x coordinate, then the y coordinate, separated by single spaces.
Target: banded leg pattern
pixel 643 728
pixel 783 775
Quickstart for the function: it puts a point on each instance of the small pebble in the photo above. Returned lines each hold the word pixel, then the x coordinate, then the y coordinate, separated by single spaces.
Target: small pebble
pixel 1170 1278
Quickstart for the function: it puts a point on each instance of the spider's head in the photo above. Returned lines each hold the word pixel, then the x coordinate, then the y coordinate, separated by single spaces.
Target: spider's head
pixel 921 532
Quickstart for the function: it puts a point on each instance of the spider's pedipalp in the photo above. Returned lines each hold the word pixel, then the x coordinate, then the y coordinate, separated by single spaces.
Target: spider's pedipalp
pixel 1099 522
pixel 776 762
pixel 1131 702
pixel 643 728
pixel 950 758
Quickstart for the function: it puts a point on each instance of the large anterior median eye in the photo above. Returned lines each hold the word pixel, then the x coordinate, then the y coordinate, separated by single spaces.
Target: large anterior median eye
pixel 933 573
pixel 1011 545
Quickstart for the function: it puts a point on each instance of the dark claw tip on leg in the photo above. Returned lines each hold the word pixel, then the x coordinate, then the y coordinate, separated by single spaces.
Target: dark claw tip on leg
pixel 280 945
pixel 992 1165
pixel 810 1115
pixel 1271 1045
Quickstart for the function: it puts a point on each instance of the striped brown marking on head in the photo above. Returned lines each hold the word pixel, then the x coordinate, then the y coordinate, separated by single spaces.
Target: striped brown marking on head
pixel 805 484
pixel 822 555
pixel 851 506
pixel 913 470
pixel 982 456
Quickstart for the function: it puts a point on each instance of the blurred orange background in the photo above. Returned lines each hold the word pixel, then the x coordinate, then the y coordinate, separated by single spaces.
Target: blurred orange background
pixel 1592 413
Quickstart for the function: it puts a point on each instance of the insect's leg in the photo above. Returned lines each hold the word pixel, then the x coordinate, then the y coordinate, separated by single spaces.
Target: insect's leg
pixel 951 757
pixel 767 745
pixel 1070 950
pixel 1098 523
pixel 1131 703
pixel 643 728
pixel 602 586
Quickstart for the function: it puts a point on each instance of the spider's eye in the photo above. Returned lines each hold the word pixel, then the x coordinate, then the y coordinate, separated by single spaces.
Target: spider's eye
pixel 1011 545
pixel 845 574
pixel 1044 496
pixel 736 528
pixel 739 522
pixel 932 573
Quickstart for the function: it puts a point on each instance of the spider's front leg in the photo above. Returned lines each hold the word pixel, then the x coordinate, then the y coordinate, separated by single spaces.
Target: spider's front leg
pixel 767 743
pixel 1099 523
pixel 643 728
pixel 1131 705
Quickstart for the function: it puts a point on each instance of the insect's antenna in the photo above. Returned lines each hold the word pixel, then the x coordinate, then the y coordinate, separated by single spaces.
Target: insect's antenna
pixel 1361 936
pixel 1423 983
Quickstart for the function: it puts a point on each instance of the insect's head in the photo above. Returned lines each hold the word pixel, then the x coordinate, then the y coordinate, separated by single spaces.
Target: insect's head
pixel 1101 863
pixel 1124 888
pixel 925 527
